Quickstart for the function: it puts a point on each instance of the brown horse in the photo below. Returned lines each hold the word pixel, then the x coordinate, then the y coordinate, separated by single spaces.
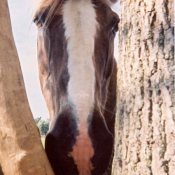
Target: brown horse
pixel 77 72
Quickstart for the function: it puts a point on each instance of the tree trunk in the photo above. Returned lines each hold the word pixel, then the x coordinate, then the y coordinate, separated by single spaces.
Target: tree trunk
pixel 21 151
pixel 145 121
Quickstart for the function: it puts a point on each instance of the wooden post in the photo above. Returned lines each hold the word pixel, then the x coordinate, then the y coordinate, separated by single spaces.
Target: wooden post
pixel 21 151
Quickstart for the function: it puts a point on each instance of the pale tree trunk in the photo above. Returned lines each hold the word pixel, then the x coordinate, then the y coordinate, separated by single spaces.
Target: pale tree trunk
pixel 145 121
pixel 21 151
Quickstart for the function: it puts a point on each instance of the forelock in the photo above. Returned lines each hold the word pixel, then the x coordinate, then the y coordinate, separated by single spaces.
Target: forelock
pixel 53 5
pixel 42 4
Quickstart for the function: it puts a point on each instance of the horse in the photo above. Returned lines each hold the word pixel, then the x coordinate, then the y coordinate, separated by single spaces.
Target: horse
pixel 77 72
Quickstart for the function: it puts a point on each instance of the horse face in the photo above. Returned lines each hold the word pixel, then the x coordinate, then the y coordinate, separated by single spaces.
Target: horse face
pixel 78 79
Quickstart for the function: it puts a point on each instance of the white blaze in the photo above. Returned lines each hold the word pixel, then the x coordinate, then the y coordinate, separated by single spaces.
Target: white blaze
pixel 79 18
pixel 80 24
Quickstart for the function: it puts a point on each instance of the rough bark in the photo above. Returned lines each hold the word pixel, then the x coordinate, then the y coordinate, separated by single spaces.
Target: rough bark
pixel 21 151
pixel 145 121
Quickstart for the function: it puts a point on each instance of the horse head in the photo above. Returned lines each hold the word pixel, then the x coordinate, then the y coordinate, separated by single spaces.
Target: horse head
pixel 77 72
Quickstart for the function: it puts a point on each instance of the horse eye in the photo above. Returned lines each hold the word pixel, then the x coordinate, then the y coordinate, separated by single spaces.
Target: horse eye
pixel 40 18
pixel 39 24
pixel 37 21
pixel 114 28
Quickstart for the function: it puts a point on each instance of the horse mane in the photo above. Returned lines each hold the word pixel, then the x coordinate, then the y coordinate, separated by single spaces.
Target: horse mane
pixel 53 4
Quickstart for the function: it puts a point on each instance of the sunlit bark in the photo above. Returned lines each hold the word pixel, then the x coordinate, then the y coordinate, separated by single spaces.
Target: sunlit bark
pixel 21 151
pixel 145 121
